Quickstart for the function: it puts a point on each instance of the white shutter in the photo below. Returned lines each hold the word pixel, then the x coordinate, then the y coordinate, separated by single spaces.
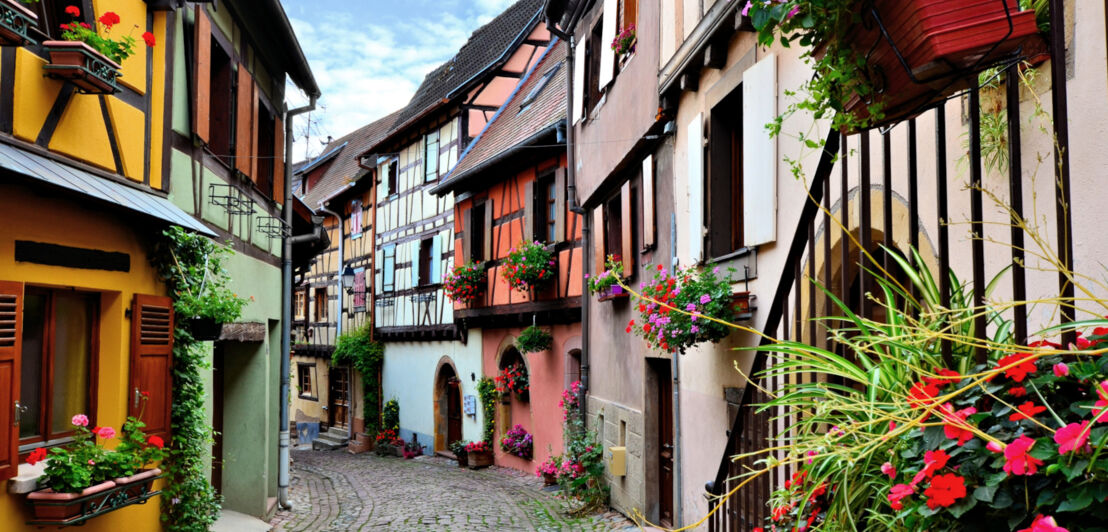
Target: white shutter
pixel 413 251
pixel 578 81
pixel 696 188
pixel 648 220
pixel 760 166
pixel 436 259
pixel 607 35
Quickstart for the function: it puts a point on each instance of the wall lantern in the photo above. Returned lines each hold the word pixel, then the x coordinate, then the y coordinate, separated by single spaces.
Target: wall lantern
pixel 348 279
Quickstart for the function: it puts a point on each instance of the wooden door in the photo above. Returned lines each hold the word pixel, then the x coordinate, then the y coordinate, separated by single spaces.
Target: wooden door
pixel 665 442
pixel 339 397
pixel 453 411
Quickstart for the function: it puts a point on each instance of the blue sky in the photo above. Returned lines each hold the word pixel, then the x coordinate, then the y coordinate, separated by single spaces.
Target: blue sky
pixel 369 56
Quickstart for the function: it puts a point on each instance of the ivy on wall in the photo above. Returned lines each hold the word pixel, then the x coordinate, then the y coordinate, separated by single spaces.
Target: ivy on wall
pixel 366 356
pixel 486 390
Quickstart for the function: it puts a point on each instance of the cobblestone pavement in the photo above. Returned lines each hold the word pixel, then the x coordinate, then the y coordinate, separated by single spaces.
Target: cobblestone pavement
pixel 335 490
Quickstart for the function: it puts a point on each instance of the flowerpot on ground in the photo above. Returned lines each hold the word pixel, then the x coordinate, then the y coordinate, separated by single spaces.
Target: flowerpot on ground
pixel 81 65
pixel 16 22
pixel 361 443
pixel 479 459
pixel 205 329
pixel 942 44
pixel 548 479
pixel 138 485
pixel 49 505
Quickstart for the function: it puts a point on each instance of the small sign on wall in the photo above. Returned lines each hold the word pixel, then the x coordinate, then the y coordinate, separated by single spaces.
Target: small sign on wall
pixel 469 405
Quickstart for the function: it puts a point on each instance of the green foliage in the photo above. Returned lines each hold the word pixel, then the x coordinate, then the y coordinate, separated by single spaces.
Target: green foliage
pixel 192 266
pixel 534 340
pixel 390 416
pixel 357 349
pixel 487 392
pixel 581 472
pixel 602 282
pixel 530 265
pixel 114 49
pixel 74 467
pixel 458 447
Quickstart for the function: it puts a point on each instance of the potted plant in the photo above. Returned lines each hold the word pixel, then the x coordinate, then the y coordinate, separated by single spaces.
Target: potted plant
pixel 465 284
pixel 132 463
pixel 548 470
pixel 880 61
pixel 204 299
pixel 412 449
pixel 388 443
pixel 75 474
pixel 459 449
pixel 534 340
pixel 624 43
pixel 518 442
pixel 513 379
pixel 88 58
pixel 479 455
pixel 674 308
pixel 529 266
pixel 16 22
pixel 605 284
pixel 741 303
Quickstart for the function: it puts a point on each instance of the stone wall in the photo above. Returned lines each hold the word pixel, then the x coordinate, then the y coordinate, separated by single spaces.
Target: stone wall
pixel 617 425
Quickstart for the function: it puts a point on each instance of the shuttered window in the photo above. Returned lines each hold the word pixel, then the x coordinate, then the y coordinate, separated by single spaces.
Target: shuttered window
pixel 11 333
pixel 649 224
pixel 202 75
pixel 608 34
pixel 151 394
pixel 388 268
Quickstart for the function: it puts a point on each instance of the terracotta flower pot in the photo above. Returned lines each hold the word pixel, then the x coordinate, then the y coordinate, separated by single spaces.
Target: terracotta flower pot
pixel 81 65
pixel 548 479
pixel 138 485
pixel 16 22
pixel 49 505
pixel 479 459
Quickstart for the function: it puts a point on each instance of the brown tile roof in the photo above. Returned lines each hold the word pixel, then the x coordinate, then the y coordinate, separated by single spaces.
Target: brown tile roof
pixel 345 152
pixel 514 124
pixel 484 48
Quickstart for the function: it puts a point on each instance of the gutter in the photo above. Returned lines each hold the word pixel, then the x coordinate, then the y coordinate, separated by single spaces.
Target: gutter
pixel 286 309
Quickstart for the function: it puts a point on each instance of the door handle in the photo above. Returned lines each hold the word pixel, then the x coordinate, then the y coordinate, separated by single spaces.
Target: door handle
pixel 19 410
pixel 138 395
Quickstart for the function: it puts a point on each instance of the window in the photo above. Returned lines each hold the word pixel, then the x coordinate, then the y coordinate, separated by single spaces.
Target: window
pixel 426 247
pixel 356 218
pixel 592 70
pixel 477 236
pixel 388 268
pixel 431 156
pixel 59 348
pixel 321 304
pixel 535 91
pixel 628 13
pixel 304 378
pixel 300 304
pixel 51 15
pixel 359 290
pixel 221 105
pixel 613 220
pixel 390 181
pixel 546 211
pixel 264 149
pixel 613 229
pixel 725 177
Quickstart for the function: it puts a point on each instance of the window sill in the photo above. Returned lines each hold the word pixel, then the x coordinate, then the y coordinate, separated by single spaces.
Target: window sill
pixel 308 398
pixel 613 297
pixel 739 253
pixel 27 479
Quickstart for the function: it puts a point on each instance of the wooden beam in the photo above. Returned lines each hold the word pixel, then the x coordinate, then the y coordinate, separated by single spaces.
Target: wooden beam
pixel 743 23
pixel 690 81
pixel 715 55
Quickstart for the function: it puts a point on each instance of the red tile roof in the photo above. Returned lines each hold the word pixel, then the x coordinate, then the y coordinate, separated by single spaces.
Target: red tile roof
pixel 345 152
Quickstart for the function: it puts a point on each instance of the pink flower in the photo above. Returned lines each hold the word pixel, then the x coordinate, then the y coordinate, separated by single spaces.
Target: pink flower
pixel 1071 437
pixel 1061 370
pixel 705 299
pixel 898 492
pixel 1044 523
pixel 106 432
pixel 79 420
pixel 995 447
pixel 956 427
pixel 1017 457
pixel 888 469
pixel 1100 412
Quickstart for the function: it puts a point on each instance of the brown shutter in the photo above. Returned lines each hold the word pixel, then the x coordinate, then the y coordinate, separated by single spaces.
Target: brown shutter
pixel 560 213
pixel 202 75
pixel 152 362
pixel 488 229
pixel 529 212
pixel 598 232
pixel 467 233
pixel 279 161
pixel 255 124
pixel 11 334
pixel 244 125
pixel 625 226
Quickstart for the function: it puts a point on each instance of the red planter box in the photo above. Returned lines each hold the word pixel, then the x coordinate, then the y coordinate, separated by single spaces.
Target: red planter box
pixel 939 40
pixel 49 505
pixel 81 65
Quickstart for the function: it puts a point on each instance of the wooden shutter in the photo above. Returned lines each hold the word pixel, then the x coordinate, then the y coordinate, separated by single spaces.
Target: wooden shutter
pixel 279 161
pixel 695 148
pixel 529 212
pixel 607 35
pixel 760 172
pixel 560 213
pixel 11 335
pixel 625 225
pixel 488 229
pixel 579 81
pixel 244 125
pixel 202 75
pixel 416 252
pixel 467 233
pixel 152 362
pixel 648 221
pixel 598 232
pixel 436 259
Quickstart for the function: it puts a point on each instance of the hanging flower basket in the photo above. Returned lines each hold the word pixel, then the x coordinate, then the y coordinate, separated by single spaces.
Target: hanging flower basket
pixel 16 23
pixel 534 340
pixel 513 379
pixel 82 65
pixel 466 283
pixel 529 266
pixel 205 329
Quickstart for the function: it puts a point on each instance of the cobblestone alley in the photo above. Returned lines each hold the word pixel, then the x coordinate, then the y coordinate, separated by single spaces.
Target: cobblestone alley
pixel 336 491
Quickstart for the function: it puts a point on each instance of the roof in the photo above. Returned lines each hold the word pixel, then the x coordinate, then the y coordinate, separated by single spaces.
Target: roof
pixel 543 90
pixel 35 166
pixel 345 152
pixel 487 46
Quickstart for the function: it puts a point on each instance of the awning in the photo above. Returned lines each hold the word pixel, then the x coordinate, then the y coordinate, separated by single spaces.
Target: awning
pixel 35 166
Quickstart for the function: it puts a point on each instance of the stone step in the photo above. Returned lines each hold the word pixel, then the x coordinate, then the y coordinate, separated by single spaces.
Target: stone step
pixel 324 444
pixel 338 433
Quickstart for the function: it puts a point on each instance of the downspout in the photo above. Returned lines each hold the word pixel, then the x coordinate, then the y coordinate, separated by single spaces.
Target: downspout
pixel 342 298
pixel 286 311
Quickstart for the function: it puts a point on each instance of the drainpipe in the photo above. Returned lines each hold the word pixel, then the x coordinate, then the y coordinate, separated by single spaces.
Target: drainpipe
pixel 677 450
pixel 286 311
pixel 338 322
pixel 586 228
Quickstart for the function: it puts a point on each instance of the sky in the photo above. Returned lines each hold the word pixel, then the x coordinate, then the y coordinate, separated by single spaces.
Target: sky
pixel 369 56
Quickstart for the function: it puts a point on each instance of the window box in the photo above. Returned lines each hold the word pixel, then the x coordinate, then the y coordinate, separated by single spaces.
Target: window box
pixel 83 66
pixel 136 486
pixel 479 459
pixel 742 303
pixel 16 23
pixel 51 507
pixel 614 292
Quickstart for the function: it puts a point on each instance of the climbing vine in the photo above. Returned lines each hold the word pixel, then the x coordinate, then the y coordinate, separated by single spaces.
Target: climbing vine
pixel 357 349
pixel 191 265
pixel 486 390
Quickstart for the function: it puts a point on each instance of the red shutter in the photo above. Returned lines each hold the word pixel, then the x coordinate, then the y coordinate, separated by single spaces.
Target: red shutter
pixel 202 75
pixel 11 334
pixel 152 361
pixel 279 161
pixel 244 127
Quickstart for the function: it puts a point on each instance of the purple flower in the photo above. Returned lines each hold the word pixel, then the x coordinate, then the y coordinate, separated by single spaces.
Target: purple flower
pixel 705 299
pixel 715 270
pixel 690 307
pixel 695 316
pixel 694 329
pixel 746 9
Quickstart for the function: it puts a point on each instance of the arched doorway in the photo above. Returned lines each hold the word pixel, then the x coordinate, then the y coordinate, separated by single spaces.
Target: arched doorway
pixel 448 407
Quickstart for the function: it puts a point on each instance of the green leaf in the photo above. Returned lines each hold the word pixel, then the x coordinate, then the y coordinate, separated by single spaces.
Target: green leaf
pixel 933 437
pixel 995 479
pixel 1075 471
pixel 963 506
pixel 985 493
pixel 1076 501
pixel 1003 499
pixel 1046 498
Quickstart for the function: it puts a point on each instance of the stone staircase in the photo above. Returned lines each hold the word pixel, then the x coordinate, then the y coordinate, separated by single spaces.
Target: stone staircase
pixel 334 438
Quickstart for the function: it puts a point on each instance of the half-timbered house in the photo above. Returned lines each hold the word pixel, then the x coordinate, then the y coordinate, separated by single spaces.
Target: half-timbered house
pixel 510 188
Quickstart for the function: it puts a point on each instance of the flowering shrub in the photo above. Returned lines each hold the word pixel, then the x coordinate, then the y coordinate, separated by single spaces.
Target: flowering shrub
pixel 478 447
pixel 464 283
pixel 518 442
pixel 389 437
pixel 390 415
pixel 513 379
pixel 568 403
pixel 115 49
pixel 548 466
pixel 624 43
pixel 529 266
pixel 534 340
pixel 699 293
pixel 85 462
pixel 489 395
pixel 580 472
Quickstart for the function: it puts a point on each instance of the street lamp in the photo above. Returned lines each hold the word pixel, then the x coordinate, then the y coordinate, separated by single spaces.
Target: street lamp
pixel 348 279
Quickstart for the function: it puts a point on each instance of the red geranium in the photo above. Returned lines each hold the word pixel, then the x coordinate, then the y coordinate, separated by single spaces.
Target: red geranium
pixel 156 441
pixel 945 490
pixel 1017 391
pixel 73 11
pixel 109 19
pixel 956 427
pixel 899 492
pixel 149 38
pixel 36 456
pixel 1027 410
pixel 1024 365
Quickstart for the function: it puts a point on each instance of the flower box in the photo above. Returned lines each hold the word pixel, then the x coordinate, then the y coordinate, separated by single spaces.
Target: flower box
pixel 479 459
pixel 50 506
pixel 16 22
pixel 136 486
pixel 83 66
pixel 205 329
pixel 741 302
pixel 387 449
pixel 939 42
pixel 612 293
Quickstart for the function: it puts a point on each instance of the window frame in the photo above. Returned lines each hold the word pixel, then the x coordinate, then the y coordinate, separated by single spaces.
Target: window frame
pixel 305 370
pixel 222 148
pixel 359 290
pixel 300 298
pixel 725 201
pixel 478 232
pixel 545 223
pixel 431 172
pixel 46 438
pixel 388 268
pixel 392 175
pixel 593 57
pixel 426 257
pixel 321 310
pixel 356 218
